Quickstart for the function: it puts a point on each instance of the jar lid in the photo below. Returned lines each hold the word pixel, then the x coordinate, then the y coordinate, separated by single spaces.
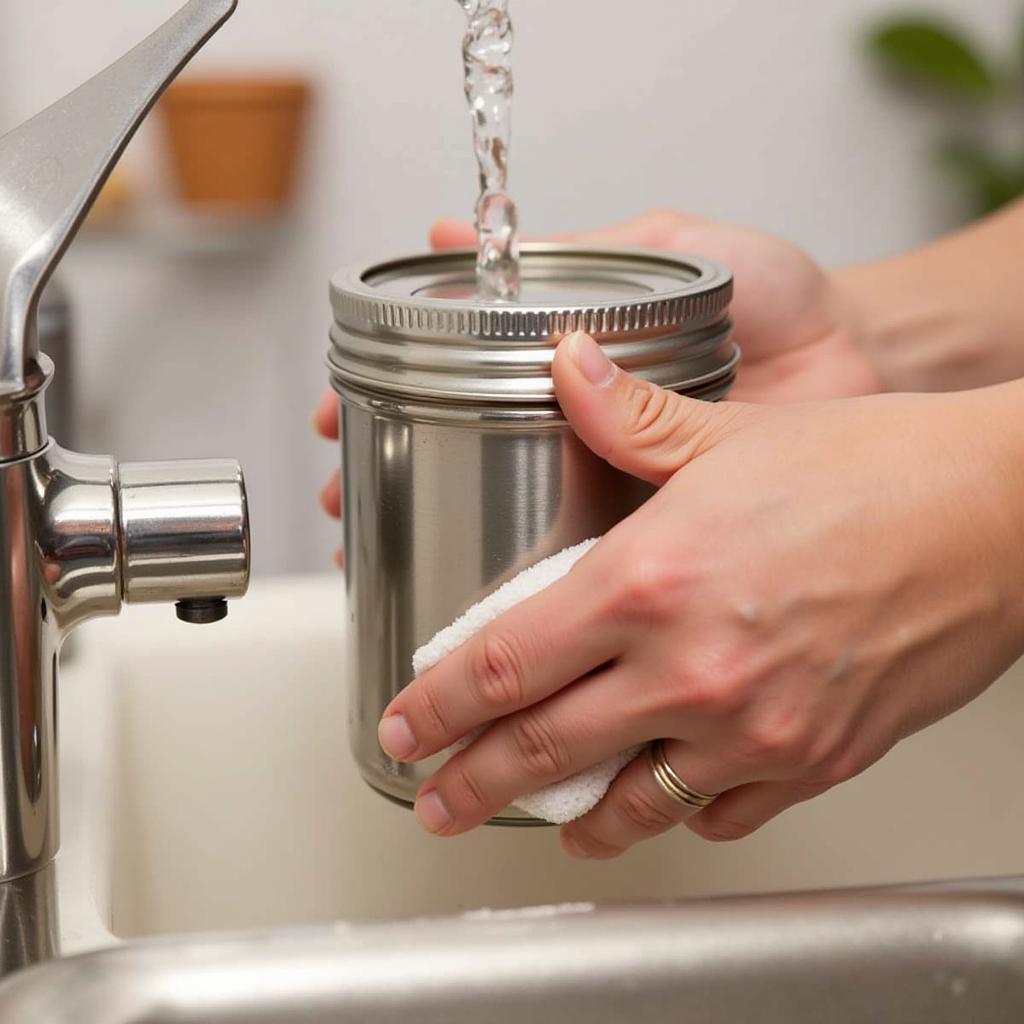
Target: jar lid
pixel 414 327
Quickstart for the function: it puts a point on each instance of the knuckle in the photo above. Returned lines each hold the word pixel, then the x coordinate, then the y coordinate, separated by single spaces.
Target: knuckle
pixel 537 745
pixel 777 740
pixel 713 697
pixel 822 752
pixel 658 422
pixel 431 708
pixel 639 588
pixel 592 846
pixel 718 829
pixel 666 698
pixel 649 591
pixel 833 759
pixel 654 417
pixel 497 677
pixel 645 812
pixel 462 794
pixel 840 768
pixel 718 683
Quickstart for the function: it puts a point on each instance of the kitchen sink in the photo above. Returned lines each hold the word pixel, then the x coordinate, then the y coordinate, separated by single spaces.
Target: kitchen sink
pixel 207 786
pixel 223 863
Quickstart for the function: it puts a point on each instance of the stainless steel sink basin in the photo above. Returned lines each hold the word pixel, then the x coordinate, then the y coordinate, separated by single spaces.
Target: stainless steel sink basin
pixel 947 956
pixel 206 788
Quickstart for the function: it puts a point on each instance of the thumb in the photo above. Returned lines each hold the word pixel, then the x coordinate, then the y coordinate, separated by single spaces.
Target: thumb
pixel 636 426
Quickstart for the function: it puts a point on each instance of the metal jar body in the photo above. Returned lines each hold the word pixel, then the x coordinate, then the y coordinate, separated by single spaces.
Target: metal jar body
pixel 441 507
pixel 458 468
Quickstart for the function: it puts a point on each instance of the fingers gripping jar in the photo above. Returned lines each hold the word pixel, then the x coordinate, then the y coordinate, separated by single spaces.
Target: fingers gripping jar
pixel 459 469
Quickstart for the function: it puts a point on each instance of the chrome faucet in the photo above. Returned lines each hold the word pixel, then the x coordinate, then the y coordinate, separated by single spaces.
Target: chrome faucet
pixel 81 534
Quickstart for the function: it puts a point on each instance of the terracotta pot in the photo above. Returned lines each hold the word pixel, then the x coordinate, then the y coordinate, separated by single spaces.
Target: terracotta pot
pixel 235 141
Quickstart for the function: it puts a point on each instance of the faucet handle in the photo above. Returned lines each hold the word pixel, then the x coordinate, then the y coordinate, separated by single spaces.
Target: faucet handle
pixel 53 166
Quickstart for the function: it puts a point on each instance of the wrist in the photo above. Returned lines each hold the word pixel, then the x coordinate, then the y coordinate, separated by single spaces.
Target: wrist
pixel 948 316
pixel 991 435
pixel 917 330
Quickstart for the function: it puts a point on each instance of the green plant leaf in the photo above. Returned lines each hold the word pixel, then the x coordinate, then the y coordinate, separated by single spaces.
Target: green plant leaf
pixel 1020 44
pixel 991 181
pixel 933 54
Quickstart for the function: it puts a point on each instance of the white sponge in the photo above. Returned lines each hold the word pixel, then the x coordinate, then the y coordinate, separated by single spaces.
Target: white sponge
pixel 573 797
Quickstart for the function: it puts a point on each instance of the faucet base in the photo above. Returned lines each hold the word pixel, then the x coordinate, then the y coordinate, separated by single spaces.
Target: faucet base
pixel 79 535
pixel 28 920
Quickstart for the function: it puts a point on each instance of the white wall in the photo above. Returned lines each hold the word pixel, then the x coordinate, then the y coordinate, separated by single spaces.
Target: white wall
pixel 761 112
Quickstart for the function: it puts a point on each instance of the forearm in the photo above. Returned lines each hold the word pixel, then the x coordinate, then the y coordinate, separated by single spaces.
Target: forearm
pixel 993 437
pixel 949 316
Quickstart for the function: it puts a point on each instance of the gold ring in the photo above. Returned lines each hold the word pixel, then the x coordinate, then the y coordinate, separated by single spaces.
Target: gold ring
pixel 670 783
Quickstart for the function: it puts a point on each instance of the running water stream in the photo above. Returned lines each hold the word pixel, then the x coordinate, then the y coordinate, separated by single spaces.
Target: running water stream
pixel 487 54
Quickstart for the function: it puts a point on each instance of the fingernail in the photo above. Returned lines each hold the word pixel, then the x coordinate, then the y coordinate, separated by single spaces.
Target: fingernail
pixel 574 849
pixel 595 366
pixel 432 813
pixel 396 738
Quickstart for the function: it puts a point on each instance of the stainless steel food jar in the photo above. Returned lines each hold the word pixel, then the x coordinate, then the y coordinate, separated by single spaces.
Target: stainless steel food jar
pixel 459 469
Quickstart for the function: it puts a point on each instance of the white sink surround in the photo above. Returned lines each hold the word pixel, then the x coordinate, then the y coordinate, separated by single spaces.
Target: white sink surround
pixel 206 786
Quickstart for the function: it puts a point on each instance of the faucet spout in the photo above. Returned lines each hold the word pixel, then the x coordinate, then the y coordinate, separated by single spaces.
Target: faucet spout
pixel 184 531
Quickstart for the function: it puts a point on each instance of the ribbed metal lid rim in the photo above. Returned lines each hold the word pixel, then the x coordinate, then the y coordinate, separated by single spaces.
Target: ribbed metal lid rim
pixel 361 307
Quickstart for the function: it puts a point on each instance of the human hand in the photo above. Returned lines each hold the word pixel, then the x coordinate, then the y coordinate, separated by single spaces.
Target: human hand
pixel 798 329
pixel 810 584
pixel 325 422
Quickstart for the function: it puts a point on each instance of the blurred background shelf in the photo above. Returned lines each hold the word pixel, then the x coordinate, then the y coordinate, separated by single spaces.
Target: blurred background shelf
pixel 186 231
